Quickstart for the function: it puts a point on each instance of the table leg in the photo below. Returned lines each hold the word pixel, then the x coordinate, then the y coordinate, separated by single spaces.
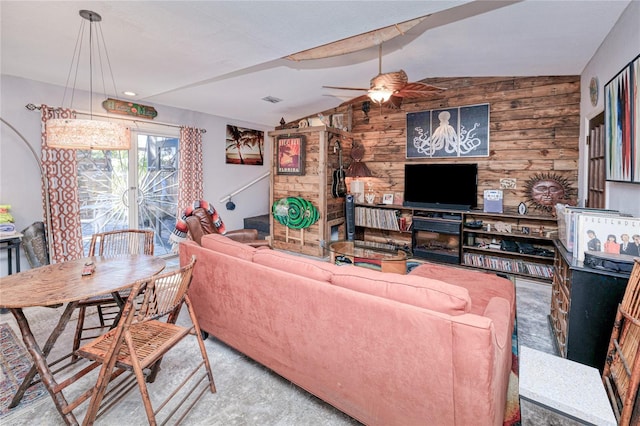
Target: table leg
pixel 120 302
pixel 40 361
pixel 10 265
pixel 18 257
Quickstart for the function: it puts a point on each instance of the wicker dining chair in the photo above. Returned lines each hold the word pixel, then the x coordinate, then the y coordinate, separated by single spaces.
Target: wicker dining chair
pixel 141 339
pixel 109 244
pixel 621 374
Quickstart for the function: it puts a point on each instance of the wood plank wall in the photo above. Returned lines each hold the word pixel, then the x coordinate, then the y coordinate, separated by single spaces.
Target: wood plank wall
pixel 534 128
pixel 315 185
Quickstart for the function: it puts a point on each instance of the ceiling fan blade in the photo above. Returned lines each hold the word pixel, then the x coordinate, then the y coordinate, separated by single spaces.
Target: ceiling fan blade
pixel 414 95
pixel 418 90
pixel 421 87
pixel 361 98
pixel 344 88
pixel 394 102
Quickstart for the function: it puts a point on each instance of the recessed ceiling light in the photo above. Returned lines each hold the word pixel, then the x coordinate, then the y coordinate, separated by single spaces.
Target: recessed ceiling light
pixel 272 99
pixel 129 93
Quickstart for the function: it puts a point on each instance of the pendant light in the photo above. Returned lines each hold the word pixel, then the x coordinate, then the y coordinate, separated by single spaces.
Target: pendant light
pixel 82 133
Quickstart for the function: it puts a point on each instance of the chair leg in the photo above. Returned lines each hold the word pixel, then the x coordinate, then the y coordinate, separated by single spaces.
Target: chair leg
pixel 100 316
pixel 203 350
pixel 142 385
pixel 77 338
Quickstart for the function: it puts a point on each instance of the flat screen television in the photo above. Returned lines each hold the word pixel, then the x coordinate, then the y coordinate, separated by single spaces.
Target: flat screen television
pixel 443 186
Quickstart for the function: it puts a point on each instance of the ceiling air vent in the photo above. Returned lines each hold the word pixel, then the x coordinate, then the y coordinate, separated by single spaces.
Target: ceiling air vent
pixel 272 99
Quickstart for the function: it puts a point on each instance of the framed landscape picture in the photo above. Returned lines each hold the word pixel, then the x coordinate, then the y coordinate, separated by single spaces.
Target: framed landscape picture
pixel 244 146
pixel 290 155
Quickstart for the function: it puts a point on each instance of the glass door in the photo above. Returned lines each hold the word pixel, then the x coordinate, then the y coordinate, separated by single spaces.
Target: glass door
pixel 130 189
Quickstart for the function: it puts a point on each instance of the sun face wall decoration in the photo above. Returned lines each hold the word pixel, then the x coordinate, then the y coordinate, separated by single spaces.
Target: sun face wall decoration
pixel 545 190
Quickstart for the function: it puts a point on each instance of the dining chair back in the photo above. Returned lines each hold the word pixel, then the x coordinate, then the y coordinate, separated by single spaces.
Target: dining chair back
pixel 142 338
pixel 621 374
pixel 109 244
pixel 122 241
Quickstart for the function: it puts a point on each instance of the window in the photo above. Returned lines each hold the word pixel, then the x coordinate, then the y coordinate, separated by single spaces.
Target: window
pixel 131 189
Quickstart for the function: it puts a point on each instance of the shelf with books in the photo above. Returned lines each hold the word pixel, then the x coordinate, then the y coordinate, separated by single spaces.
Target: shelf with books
pixel 498 252
pixel 511 243
pixel 389 218
pixel 516 266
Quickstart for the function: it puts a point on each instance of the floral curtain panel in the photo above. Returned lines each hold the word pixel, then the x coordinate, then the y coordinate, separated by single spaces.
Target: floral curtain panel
pixel 61 172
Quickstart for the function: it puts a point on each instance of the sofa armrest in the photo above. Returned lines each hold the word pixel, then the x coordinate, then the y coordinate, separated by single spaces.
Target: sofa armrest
pixel 498 311
pixel 482 286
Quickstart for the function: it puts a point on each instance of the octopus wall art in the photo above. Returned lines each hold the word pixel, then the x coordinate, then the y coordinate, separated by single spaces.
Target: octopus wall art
pixel 452 132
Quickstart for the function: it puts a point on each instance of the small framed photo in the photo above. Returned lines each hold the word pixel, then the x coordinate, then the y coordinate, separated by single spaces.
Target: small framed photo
pixel 387 199
pixel 290 155
pixel 525 230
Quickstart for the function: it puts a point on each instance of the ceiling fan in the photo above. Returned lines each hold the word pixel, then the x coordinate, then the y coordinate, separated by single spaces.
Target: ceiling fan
pixel 391 87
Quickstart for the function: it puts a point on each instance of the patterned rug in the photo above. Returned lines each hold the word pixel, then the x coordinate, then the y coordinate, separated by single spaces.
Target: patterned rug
pixel 15 362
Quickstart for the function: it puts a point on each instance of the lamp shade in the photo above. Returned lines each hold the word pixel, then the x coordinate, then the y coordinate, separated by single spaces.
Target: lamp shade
pixel 87 134
pixel 380 95
pixel 358 169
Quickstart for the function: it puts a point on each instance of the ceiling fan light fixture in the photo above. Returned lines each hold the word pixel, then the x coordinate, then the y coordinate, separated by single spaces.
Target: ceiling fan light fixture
pixel 380 95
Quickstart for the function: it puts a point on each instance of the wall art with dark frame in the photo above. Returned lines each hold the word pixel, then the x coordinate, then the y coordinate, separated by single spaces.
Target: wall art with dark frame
pixel 290 155
pixel 622 124
pixel 451 132
pixel 244 146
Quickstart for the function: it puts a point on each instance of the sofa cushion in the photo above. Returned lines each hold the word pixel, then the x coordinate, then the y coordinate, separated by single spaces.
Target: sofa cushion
pixel 225 245
pixel 418 291
pixel 482 286
pixel 310 268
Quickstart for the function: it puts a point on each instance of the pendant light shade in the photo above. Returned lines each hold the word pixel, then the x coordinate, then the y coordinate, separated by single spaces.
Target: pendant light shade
pixel 358 168
pixel 88 134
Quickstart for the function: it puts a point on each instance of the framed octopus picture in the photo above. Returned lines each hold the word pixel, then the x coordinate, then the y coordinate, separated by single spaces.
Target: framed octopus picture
pixel 451 132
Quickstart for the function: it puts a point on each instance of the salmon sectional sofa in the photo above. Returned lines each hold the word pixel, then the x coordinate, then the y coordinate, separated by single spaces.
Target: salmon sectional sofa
pixel 429 348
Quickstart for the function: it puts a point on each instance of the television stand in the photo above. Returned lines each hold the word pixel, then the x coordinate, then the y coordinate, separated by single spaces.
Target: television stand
pixel 439 235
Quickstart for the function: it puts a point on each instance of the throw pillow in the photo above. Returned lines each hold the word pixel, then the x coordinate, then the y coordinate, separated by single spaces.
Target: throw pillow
pixel 314 269
pixel 418 291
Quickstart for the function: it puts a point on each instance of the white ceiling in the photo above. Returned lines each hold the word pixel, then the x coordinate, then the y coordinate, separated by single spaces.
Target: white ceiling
pixel 223 57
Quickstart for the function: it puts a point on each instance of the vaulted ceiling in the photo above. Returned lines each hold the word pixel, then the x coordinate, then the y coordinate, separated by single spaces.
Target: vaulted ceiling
pixel 224 57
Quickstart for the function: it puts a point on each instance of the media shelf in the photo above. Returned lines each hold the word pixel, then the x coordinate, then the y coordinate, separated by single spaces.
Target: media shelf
pixel 443 235
pixel 382 217
pixel 512 243
pixel 510 265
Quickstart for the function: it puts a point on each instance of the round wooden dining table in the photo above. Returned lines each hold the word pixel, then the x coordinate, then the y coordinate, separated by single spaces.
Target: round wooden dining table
pixel 64 283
